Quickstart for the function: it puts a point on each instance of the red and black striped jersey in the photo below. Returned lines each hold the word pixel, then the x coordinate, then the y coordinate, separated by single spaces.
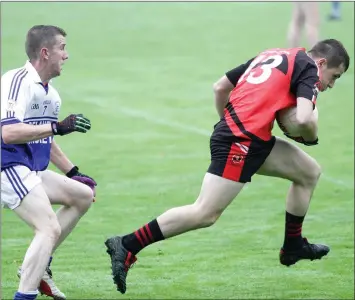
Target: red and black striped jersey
pixel 265 84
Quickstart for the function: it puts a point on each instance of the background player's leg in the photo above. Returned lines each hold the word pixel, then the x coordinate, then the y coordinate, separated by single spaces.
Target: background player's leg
pixel 37 212
pixel 292 163
pixel 296 25
pixel 311 12
pixel 75 197
pixel 335 12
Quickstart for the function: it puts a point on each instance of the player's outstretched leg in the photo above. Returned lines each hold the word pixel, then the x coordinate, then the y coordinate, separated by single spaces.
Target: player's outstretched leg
pixel 290 162
pixel 215 195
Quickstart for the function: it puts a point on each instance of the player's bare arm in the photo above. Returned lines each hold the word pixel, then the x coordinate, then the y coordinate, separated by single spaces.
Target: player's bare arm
pixel 63 163
pixel 221 89
pixel 304 85
pixel 308 127
pixel 21 133
pixel 59 159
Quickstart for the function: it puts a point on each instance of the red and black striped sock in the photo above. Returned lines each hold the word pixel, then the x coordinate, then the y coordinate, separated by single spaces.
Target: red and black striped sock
pixel 144 236
pixel 293 232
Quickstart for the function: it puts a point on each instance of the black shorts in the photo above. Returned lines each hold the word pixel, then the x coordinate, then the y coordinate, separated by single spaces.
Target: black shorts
pixel 237 159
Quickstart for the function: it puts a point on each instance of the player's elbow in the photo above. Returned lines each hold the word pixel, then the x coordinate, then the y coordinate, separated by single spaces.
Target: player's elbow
pixel 222 86
pixel 303 117
pixel 217 87
pixel 6 136
pixel 303 120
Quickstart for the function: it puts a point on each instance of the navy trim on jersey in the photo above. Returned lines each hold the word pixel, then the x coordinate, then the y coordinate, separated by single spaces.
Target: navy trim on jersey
pixel 44 118
pixel 16 84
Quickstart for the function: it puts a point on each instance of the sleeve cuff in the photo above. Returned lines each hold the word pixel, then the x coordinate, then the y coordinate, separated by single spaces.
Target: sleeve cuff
pixel 8 121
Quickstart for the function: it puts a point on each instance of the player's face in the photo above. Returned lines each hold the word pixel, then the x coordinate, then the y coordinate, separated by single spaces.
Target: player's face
pixel 57 56
pixel 328 76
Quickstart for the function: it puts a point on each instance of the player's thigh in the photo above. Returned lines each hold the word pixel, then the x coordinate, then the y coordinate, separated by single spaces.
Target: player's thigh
pixel 217 193
pixel 36 210
pixel 298 13
pixel 63 190
pixel 233 163
pixel 288 161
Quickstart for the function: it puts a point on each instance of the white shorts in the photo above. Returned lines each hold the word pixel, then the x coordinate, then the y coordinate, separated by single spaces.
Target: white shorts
pixel 16 183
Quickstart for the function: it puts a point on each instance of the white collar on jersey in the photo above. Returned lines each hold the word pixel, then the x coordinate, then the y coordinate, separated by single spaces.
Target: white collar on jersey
pixel 33 72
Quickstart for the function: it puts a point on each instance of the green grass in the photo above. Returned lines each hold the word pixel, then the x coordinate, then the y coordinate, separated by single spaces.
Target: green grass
pixel 135 66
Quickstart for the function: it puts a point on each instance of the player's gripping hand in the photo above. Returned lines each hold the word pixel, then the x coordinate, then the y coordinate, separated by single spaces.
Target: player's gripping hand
pixel 85 179
pixel 74 122
pixel 301 140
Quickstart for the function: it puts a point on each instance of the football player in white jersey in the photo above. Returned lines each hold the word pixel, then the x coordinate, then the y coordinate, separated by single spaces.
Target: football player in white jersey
pixel 29 120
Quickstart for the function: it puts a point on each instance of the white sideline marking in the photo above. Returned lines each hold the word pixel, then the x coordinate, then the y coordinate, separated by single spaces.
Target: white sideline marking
pixel 158 120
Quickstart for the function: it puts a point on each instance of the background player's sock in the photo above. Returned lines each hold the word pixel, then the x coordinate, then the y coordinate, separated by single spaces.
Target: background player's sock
pixel 293 232
pixel 26 296
pixel 144 236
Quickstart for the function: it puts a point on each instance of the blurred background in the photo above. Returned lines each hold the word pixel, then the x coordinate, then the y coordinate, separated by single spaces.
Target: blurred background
pixel 143 73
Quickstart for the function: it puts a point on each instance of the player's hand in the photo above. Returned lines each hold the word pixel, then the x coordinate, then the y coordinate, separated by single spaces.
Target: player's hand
pixel 74 122
pixel 85 179
pixel 301 140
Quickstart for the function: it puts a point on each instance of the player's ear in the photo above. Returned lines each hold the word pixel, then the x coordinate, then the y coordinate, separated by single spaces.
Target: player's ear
pixel 321 62
pixel 44 53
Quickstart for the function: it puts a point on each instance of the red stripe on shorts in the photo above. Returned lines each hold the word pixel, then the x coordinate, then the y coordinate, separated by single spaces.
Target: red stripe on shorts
pixel 235 162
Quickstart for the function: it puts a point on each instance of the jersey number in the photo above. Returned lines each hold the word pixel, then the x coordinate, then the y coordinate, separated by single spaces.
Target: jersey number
pixel 45 107
pixel 266 63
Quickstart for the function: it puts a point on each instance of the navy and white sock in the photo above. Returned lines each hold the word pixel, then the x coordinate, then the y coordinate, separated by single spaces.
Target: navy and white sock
pixel 26 296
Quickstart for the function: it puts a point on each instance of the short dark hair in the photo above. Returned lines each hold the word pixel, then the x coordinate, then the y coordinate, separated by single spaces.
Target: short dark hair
pixel 41 36
pixel 333 51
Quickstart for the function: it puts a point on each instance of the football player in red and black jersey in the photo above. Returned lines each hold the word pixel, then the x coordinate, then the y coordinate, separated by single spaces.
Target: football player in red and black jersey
pixel 247 99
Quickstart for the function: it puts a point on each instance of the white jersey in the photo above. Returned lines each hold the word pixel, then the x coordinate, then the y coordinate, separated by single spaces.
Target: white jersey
pixel 25 99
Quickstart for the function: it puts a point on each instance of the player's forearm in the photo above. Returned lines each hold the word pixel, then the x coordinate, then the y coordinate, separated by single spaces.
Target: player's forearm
pixel 309 131
pixel 59 159
pixel 21 133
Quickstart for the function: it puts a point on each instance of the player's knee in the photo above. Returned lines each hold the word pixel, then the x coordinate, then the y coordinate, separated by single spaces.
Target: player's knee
pixel 209 220
pixel 298 20
pixel 205 217
pixel 312 174
pixel 84 198
pixel 51 229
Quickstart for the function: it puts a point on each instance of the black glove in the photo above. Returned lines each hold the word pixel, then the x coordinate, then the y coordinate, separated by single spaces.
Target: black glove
pixel 301 140
pixel 74 122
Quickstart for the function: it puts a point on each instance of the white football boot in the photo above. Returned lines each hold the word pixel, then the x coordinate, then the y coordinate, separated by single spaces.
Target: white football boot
pixel 47 286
